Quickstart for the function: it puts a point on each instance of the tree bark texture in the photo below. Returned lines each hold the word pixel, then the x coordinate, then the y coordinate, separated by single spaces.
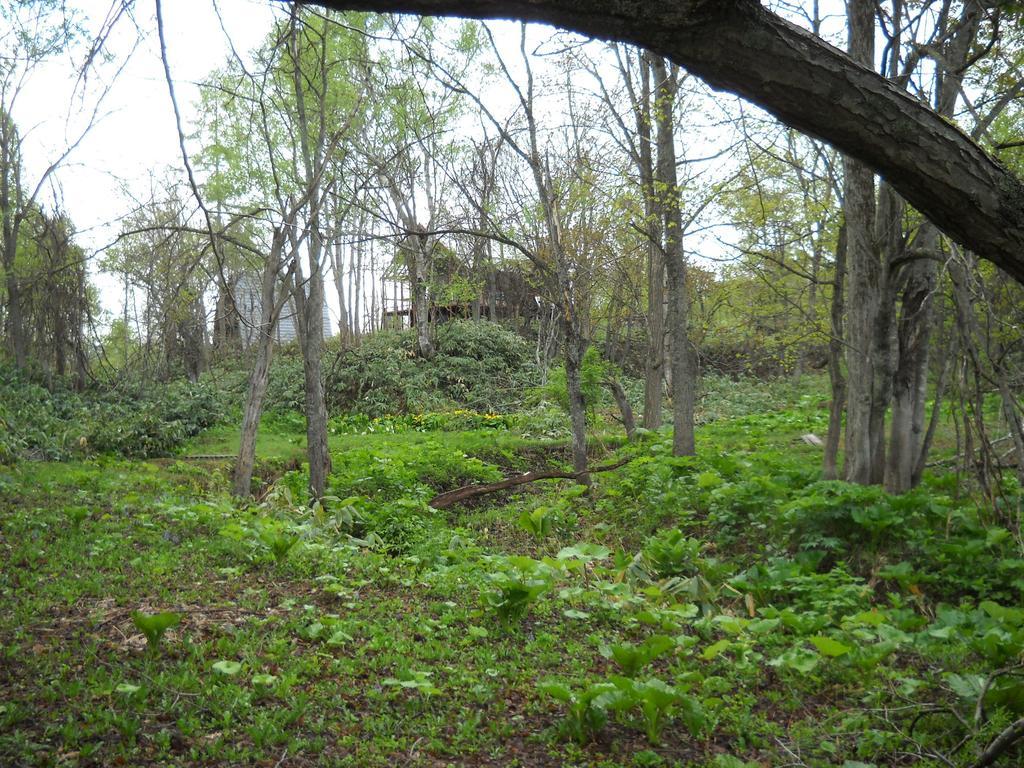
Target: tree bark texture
pixel 310 322
pixel 837 382
pixel 419 249
pixel 15 317
pixel 258 380
pixel 309 299
pixel 654 364
pixel 625 409
pixel 12 210
pixel 910 378
pixel 681 358
pixel 575 348
pixel 338 267
pixel 739 46
pixel 865 278
pixel 916 280
pixel 260 376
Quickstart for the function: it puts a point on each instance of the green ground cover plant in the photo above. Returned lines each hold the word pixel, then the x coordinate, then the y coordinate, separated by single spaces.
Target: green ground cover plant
pixel 726 610
pixel 57 423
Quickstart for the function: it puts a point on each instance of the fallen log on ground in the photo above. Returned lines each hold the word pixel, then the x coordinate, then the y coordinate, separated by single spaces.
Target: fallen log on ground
pixel 467 492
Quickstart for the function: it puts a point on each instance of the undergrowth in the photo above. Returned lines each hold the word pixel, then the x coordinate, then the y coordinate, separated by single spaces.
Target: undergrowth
pixel 729 609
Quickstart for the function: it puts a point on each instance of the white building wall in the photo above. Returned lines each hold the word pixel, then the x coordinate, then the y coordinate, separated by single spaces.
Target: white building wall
pixel 248 302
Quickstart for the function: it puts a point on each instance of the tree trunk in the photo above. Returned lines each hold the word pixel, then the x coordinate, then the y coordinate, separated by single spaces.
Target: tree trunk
pixel 270 310
pixel 309 322
pixel 227 328
pixel 338 267
pixel 910 379
pixel 830 469
pixel 654 364
pixel 416 260
pixel 865 277
pixel 625 409
pixel 16 332
pixel 575 347
pixel 479 244
pixel 681 358
pixel 356 287
pixel 889 245
pixel 492 286
pixel 421 298
pixel 192 332
pixel 15 319
pixel 949 358
pixel 258 380
pixel 919 277
pixel 309 303
pixel 12 214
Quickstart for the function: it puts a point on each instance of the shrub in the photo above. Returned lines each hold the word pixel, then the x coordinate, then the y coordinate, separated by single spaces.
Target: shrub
pixel 57 423
pixel 400 525
pixel 593 371
pixel 478 365
pixel 155 424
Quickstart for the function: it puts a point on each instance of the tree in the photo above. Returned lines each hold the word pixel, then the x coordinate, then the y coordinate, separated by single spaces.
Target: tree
pixel 300 105
pixel 637 138
pixel 245 178
pixel 863 429
pixel 33 34
pixel 553 254
pixel 57 302
pixel 408 145
pixel 893 255
pixel 161 256
pixel 739 46
pixel 553 222
pixel 783 207
pixel 681 359
pixel 324 100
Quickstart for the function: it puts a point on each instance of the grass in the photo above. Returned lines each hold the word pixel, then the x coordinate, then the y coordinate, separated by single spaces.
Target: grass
pixel 286 440
pixel 394 634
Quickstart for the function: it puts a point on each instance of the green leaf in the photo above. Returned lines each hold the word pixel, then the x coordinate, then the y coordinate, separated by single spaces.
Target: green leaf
pixel 339 637
pixel 536 522
pixel 264 680
pixel 872 618
pixel 227 668
pixel 733 625
pixel 829 647
pixel 692 714
pixel 153 625
pixel 994 536
pixel 966 686
pixel 584 551
pixel 763 625
pixel 799 659
pixel 715 649
pixel 555 690
pixel 1011 616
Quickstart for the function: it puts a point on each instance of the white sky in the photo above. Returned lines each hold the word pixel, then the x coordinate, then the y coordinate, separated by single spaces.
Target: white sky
pixel 135 145
pixel 136 142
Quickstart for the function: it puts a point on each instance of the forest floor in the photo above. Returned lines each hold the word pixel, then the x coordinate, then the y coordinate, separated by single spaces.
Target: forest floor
pixel 727 610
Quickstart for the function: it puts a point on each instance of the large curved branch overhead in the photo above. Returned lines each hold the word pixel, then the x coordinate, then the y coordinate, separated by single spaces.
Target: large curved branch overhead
pixel 738 46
